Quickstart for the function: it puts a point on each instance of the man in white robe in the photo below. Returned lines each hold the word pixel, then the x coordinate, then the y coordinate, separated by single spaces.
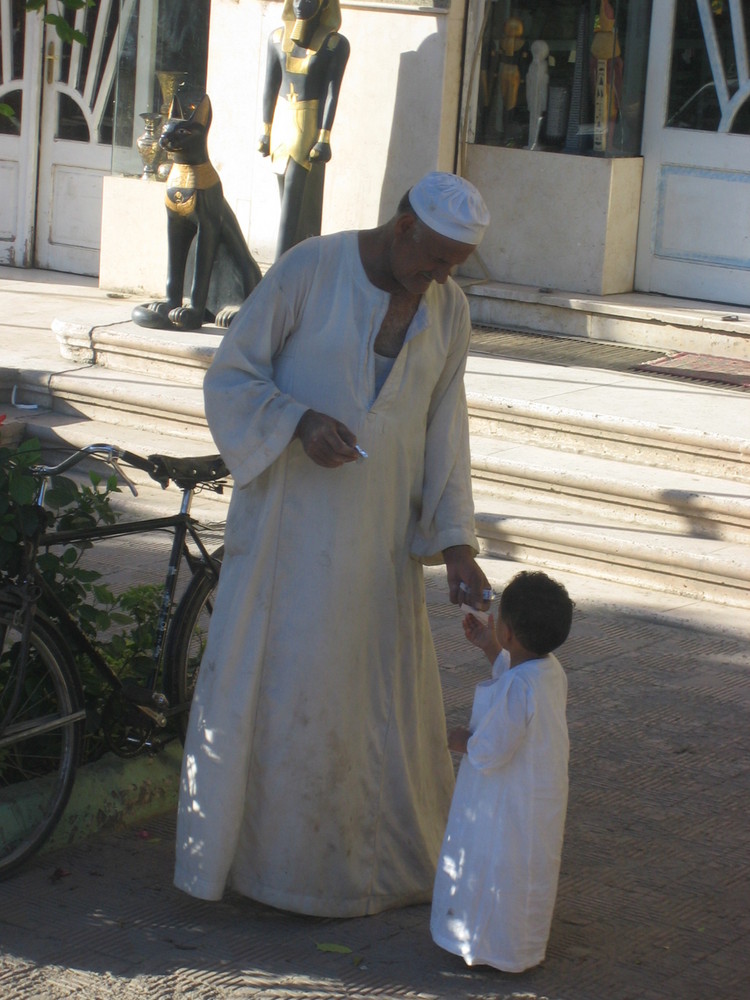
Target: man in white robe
pixel 316 775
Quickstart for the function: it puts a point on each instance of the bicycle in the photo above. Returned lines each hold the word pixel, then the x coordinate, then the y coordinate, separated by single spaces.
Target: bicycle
pixel 43 710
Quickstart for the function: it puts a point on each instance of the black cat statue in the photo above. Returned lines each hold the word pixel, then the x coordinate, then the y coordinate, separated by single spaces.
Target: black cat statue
pixel 197 212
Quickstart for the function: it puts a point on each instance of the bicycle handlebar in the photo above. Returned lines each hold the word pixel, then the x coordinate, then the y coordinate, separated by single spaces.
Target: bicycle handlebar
pixel 106 451
pixel 186 473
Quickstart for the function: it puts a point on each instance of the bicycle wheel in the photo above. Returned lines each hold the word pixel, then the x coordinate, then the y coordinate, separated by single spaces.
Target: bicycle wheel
pixel 187 641
pixel 40 744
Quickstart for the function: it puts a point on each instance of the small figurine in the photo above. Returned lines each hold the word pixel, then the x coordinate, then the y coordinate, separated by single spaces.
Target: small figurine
pixel 511 43
pixel 537 89
pixel 606 67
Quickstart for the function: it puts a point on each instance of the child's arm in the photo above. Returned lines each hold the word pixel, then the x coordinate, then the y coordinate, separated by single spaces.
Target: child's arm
pixel 483 636
pixel 458 738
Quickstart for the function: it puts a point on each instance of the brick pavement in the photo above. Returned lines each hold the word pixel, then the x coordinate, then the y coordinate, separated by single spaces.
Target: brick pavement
pixel 653 898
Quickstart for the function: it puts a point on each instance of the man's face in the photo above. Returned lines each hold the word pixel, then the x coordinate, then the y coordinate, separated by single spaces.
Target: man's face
pixel 420 256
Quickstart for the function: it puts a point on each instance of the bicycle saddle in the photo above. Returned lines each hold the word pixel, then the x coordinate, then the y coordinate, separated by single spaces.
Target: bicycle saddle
pixel 187 473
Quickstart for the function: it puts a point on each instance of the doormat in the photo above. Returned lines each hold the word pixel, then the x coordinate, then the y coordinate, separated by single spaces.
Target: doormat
pixel 703 368
pixel 550 349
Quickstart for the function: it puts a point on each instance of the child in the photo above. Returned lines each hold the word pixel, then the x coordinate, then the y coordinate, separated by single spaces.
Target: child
pixel 497 875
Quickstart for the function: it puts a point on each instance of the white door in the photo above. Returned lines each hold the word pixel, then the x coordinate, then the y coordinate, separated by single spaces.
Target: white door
pixel 56 149
pixel 694 233
pixel 20 74
pixel 75 149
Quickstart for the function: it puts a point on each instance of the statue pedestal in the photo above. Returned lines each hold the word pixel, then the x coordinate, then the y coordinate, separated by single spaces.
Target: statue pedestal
pixel 134 237
pixel 578 232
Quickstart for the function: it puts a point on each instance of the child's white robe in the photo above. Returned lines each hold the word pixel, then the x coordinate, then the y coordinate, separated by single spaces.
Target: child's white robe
pixel 496 880
pixel 316 776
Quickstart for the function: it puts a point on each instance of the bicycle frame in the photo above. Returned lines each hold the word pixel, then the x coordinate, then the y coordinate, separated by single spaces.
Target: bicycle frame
pixel 43 701
pixel 146 698
pixel 183 525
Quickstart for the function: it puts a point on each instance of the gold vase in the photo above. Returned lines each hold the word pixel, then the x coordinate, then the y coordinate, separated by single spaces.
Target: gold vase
pixel 169 81
pixel 148 144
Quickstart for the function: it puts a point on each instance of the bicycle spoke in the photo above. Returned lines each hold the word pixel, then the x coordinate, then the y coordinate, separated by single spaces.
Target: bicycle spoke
pixel 40 745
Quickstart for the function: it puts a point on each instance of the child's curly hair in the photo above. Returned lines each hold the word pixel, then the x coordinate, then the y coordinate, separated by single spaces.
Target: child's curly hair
pixel 539 611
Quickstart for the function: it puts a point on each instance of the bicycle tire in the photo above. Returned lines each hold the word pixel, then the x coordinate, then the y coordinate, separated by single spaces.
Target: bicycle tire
pixel 186 640
pixel 40 747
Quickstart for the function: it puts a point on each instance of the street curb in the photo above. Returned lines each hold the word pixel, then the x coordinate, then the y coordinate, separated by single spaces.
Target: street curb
pixel 115 792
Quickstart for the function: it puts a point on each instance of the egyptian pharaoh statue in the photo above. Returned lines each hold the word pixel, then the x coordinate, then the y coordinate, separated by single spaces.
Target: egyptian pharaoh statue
pixel 305 65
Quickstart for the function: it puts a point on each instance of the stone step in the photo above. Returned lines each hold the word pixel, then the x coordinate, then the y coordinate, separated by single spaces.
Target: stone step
pixel 613 415
pixel 658 499
pixel 602 472
pixel 635 318
pixel 552 538
pixel 169 409
pixel 162 355
pixel 519 515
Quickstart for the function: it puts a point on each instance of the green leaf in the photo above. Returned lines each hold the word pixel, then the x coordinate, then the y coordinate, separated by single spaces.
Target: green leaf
pixel 29 518
pixel 22 487
pixel 69 556
pixel 118 618
pixel 31 450
pixel 64 489
pixel 339 949
pixel 102 620
pixel 48 563
pixel 102 593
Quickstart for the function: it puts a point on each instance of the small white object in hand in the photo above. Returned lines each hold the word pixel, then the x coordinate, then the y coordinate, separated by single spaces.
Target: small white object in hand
pixel 480 616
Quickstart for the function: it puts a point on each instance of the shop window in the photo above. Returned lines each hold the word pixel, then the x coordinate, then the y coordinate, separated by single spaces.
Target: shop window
pixel 163 45
pixel 709 89
pixel 566 77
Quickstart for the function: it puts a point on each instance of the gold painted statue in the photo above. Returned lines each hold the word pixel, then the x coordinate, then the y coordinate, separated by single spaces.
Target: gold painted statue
pixel 606 69
pixel 305 65
pixel 511 43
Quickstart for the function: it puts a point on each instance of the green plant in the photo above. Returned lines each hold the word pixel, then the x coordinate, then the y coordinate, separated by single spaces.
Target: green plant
pixel 20 518
pixel 122 624
pixel 64 30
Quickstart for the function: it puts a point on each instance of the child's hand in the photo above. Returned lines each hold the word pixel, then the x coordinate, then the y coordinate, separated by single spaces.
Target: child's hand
pixel 483 636
pixel 476 632
pixel 458 738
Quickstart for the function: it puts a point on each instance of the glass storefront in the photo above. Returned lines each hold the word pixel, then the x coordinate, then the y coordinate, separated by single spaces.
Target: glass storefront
pixel 163 46
pixel 708 84
pixel 565 77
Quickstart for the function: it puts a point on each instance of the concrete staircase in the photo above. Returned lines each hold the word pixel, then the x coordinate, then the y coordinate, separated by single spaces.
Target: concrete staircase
pixel 605 473
pixel 622 497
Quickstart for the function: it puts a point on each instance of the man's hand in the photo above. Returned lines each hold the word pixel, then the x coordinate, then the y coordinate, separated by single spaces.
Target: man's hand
pixel 326 441
pixel 462 568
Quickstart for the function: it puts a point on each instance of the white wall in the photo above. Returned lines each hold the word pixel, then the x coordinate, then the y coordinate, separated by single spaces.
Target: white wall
pixel 396 117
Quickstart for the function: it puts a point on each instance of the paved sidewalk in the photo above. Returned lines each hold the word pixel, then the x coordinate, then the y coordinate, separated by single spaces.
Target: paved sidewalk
pixel 655 882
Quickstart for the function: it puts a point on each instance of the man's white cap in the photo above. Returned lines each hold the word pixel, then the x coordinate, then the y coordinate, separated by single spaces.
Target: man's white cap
pixel 450 206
